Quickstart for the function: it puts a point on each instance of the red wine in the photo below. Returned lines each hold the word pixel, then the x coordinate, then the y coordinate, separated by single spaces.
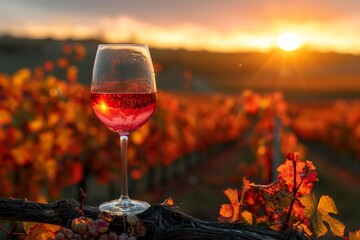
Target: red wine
pixel 123 112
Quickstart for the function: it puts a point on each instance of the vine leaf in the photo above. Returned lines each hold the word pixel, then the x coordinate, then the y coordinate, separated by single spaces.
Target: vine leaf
pixel 319 213
pixel 354 235
pixel 230 212
pixel 247 217
pixel 246 187
pixel 276 195
pixel 40 231
pixel 309 202
pixel 303 227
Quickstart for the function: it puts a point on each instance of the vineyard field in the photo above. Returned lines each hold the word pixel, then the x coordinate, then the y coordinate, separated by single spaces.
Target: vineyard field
pixel 312 76
pixel 210 135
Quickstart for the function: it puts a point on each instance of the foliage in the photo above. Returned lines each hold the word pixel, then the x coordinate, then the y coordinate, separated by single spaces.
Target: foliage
pixel 47 133
pixel 40 231
pixel 268 134
pixel 318 213
pixel 51 139
pixel 337 123
pixel 286 203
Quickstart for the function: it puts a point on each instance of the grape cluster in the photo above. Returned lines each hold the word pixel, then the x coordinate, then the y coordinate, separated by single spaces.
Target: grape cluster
pixel 83 228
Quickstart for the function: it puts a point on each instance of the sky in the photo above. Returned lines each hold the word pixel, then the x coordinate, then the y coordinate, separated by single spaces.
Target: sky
pixel 214 25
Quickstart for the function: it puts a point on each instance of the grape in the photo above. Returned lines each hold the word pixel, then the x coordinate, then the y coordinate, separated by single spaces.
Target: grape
pixel 79 225
pixel 93 229
pixel 68 233
pixel 104 237
pixel 77 237
pixel 88 236
pixel 114 236
pixel 59 236
pixel 123 236
pixel 132 219
pixel 80 228
pixel 102 225
pixel 106 216
pixel 83 228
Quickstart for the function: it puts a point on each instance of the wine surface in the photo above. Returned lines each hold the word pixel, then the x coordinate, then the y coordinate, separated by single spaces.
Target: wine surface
pixel 123 112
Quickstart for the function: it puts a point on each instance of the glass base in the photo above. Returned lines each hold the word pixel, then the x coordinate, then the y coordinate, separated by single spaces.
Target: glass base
pixel 124 207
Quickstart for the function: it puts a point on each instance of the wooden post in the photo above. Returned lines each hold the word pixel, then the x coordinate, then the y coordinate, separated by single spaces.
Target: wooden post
pixel 276 154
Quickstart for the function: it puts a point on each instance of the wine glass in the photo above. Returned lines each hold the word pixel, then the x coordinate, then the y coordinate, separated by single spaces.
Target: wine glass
pixel 123 97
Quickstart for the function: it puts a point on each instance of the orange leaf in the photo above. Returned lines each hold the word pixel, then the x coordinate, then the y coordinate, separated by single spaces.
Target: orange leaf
pixel 354 235
pixel 233 196
pixel 246 187
pixel 40 231
pixel 48 66
pixel 5 117
pixel 168 202
pixel 62 62
pixel 247 217
pixel 226 211
pixel 305 173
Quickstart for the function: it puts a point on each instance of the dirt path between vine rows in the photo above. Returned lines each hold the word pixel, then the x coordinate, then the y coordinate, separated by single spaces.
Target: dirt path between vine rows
pixel 199 191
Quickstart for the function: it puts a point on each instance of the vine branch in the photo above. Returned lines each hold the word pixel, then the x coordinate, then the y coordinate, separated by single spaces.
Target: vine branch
pixel 160 221
pixel 293 158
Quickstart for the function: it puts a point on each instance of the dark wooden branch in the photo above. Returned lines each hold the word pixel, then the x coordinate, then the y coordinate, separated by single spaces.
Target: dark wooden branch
pixel 161 222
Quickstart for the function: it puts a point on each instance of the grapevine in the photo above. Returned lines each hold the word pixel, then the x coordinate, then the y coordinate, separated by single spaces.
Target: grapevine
pixel 286 203
pixel 337 125
pixel 51 140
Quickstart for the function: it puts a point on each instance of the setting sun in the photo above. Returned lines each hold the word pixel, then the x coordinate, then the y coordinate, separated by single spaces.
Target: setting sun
pixel 289 42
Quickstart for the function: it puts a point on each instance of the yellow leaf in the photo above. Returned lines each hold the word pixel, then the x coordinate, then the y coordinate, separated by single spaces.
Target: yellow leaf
pixel 21 76
pixel 247 217
pixel 309 202
pixel 303 227
pixel 46 141
pixel 321 214
pixel 72 73
pixel 354 235
pixel 327 205
pixel 138 137
pixel 36 124
pixel 53 118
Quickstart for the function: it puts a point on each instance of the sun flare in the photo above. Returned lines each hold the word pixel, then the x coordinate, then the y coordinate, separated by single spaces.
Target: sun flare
pixel 103 107
pixel 289 42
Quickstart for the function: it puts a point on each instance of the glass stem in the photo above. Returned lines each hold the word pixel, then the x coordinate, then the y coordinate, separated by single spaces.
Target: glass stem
pixel 124 178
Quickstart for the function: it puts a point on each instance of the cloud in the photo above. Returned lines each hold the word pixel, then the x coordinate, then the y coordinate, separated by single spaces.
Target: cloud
pixel 231 25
